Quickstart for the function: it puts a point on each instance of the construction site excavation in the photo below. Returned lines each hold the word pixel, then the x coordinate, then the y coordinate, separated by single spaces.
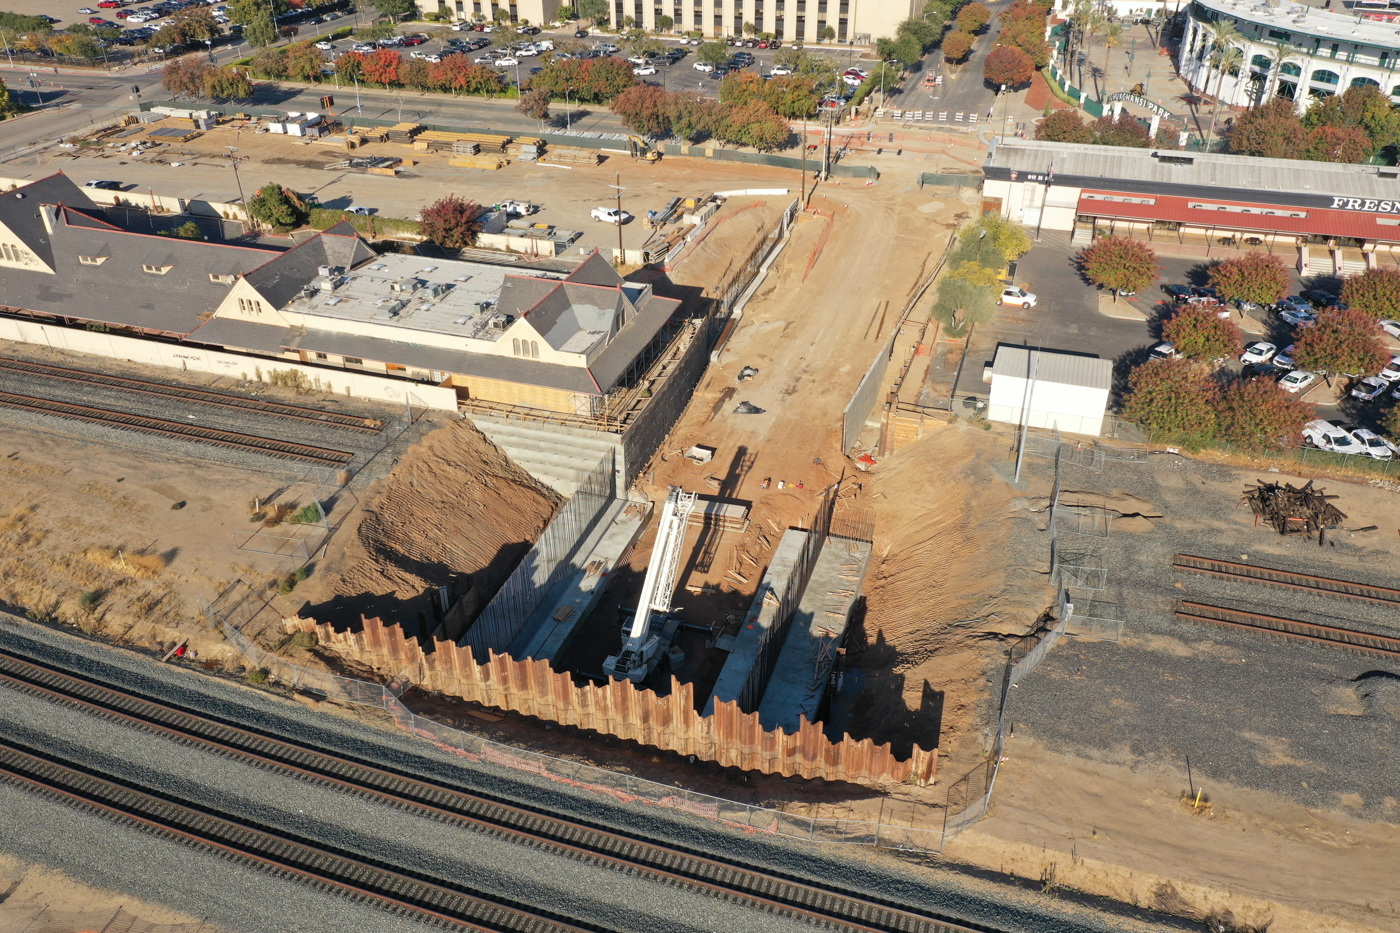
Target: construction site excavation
pixel 410 521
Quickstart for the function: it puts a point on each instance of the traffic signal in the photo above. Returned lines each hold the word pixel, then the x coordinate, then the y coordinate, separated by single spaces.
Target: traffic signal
pixel 327 102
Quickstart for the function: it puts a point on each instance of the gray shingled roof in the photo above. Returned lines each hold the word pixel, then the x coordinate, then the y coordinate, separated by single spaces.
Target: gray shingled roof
pixel 595 271
pixel 280 279
pixel 608 368
pixel 1063 368
pixel 20 210
pixel 241 335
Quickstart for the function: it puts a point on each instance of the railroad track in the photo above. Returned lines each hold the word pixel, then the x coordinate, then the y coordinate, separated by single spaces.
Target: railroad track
pixel 190 394
pixel 1381 646
pixel 830 909
pixel 308 863
pixel 285 450
pixel 1347 589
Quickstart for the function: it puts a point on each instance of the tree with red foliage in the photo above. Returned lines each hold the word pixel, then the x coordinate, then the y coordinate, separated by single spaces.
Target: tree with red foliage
pixel 456 73
pixel 1119 263
pixel 1270 131
pixel 1375 291
pixel 1200 333
pixel 754 124
pixel 605 78
pixel 1344 341
pixel 452 223
pixel 1007 65
pixel 1258 277
pixel 1023 27
pixel 382 67
pixel 645 109
pixel 956 45
pixel 534 104
pixel 1257 414
pixel 1064 126
pixel 741 87
pixel 973 17
pixel 1337 144
pixel 1174 399
pixel 351 66
pixel 1127 130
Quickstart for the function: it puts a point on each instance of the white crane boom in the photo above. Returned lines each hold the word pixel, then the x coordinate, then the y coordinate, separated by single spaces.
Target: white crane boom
pixel 660 582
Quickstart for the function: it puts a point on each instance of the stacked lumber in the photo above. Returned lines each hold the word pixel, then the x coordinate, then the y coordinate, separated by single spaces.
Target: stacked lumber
pixel 342 142
pixel 1292 510
pixel 520 142
pixel 402 133
pixel 486 161
pixel 569 155
pixel 465 147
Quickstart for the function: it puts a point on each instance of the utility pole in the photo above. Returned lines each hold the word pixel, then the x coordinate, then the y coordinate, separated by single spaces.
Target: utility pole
pixel 1005 111
pixel 234 160
pixel 803 178
pixel 620 189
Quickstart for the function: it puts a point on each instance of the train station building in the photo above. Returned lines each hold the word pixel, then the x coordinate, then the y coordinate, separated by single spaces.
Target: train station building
pixel 1320 217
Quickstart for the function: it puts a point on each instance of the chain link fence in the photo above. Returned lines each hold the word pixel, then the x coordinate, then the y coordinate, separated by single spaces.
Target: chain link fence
pixel 239 601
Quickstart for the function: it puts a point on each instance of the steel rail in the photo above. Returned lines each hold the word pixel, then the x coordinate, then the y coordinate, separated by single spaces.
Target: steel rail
pixel 776 894
pixel 191 394
pixel 1348 589
pixel 309 863
pixel 286 450
pixel 1346 639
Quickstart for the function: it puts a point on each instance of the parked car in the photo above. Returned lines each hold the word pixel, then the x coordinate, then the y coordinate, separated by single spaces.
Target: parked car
pixel 104 185
pixel 1391 327
pixel 1297 381
pixel 1325 435
pixel 87 10
pixel 643 71
pixel 778 71
pixel 580 33
pixel 706 67
pixel 363 48
pixel 506 62
pixel 1283 359
pixel 325 46
pixel 1258 352
pixel 1164 351
pixel 1391 372
pixel 1016 295
pixel 1369 388
pixel 1320 299
pixel 365 211
pixel 1297 318
pixel 610 215
pixel 1373 445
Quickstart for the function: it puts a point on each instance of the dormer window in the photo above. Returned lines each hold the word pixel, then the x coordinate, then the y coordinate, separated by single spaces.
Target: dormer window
pixel 155 270
pixel 92 260
pixel 220 279
pixel 250 306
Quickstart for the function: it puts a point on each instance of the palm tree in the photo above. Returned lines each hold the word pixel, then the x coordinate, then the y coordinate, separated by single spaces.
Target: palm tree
pixel 1093 25
pixel 1280 57
pixel 1226 60
pixel 1218 37
pixel 1112 38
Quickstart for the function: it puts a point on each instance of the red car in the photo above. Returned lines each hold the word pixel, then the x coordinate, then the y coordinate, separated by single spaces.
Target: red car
pixel 763 44
pixel 109 4
pixel 123 14
pixel 99 21
pixel 414 40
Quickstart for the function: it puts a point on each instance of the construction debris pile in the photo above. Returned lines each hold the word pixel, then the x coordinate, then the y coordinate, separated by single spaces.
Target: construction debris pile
pixel 1293 510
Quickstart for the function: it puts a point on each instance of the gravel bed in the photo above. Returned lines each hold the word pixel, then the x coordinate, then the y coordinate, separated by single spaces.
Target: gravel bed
pixel 926 882
pixel 440 850
pixel 1315 725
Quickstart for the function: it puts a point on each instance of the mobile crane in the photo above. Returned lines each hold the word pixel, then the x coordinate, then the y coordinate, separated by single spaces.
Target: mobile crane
pixel 652 627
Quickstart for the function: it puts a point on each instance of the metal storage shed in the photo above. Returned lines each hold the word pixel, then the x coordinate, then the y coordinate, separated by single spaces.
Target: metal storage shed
pixel 1061 390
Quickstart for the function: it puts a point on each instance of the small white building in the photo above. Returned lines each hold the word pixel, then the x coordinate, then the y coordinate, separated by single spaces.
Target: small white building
pixel 1061 390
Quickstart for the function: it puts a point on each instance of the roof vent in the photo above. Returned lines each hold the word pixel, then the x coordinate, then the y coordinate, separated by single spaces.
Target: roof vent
pixel 462 320
pixel 428 269
pixel 379 267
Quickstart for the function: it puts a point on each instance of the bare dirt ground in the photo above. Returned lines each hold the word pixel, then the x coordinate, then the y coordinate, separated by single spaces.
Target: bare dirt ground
pixel 31 891
pixel 454 512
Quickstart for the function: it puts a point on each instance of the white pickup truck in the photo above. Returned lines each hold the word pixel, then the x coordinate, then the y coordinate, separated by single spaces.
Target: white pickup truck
pixel 1327 436
pixel 610 215
pixel 517 208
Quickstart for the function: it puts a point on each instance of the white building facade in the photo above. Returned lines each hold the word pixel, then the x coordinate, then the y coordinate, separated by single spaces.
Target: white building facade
pixel 854 21
pixel 1290 50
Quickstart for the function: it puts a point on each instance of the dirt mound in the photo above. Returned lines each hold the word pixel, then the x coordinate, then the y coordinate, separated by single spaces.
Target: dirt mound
pixel 942 592
pixel 454 507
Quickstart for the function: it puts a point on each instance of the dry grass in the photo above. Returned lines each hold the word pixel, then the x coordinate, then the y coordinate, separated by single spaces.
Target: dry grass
pixel 139 566
pixel 276 514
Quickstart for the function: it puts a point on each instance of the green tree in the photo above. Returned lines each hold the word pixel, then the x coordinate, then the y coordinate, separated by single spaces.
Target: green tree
pixel 750 29
pixel 664 23
pixel 962 303
pixel 394 9
pixel 1175 400
pixel 228 84
pixel 1258 277
pixel 189 230
pixel 8 107
pixel 1064 126
pixel 246 11
pixel 693 115
pixel 1119 263
pixel 1344 342
pixel 1390 424
pixel 1200 333
pixel 1375 291
pixel 261 32
pixel 1271 130
pixel 1256 414
pixel 276 207
pixel 956 45
pixel 452 222
pixel 1011 240
pixel 826 35
pixel 713 53
pixel 595 11
pixel 270 63
pixel 304 62
pixel 756 125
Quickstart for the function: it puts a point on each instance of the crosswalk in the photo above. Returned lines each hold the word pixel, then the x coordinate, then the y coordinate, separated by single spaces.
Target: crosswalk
pixel 926 116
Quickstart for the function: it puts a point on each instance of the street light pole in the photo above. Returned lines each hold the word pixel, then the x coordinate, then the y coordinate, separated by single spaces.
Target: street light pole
pixel 568 114
pixel 620 189
pixel 1005 111
pixel 233 158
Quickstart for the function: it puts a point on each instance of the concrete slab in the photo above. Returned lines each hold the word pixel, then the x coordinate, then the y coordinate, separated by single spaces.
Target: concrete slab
pixel 818 629
pixel 761 622
pixel 551 629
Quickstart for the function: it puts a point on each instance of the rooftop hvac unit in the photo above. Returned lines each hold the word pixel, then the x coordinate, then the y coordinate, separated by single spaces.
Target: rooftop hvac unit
pixel 408 286
pixel 323 271
pixel 438 289
pixel 501 321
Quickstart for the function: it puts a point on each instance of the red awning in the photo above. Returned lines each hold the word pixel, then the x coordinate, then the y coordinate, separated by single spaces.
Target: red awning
pixel 1319 221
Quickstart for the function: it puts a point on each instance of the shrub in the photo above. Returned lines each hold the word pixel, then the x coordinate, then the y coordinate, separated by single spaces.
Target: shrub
pixel 257 675
pixel 89 600
pixel 309 514
pixel 1064 126
pixel 305 639
pixel 300 574
pixel 286 586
